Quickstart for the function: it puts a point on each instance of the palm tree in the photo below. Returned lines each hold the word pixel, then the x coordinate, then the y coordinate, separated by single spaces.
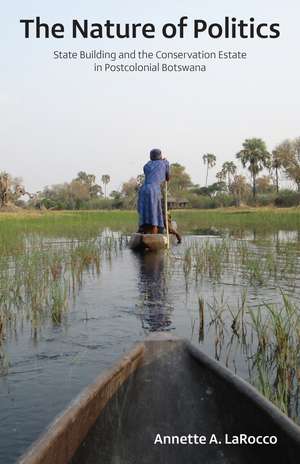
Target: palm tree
pixel 210 160
pixel 84 178
pixel 255 157
pixel 105 180
pixel 220 176
pixel 276 165
pixel 228 170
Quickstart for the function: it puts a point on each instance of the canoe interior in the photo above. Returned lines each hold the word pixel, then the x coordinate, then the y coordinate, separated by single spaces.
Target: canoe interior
pixel 152 242
pixel 165 386
pixel 175 394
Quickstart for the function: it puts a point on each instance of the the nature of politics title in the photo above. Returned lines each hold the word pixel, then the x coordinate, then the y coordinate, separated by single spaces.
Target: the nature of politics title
pixel 228 28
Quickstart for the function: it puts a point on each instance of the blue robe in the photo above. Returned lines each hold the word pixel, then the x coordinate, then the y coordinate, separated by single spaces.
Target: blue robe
pixel 149 201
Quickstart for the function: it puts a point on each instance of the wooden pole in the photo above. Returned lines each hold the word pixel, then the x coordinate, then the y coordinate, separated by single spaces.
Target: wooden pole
pixel 166 214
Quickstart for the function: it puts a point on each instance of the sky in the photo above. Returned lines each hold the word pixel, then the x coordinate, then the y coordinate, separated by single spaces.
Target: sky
pixel 58 118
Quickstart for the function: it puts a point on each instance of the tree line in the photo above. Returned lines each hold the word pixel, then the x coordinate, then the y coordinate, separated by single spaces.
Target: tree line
pixel 230 188
pixel 255 157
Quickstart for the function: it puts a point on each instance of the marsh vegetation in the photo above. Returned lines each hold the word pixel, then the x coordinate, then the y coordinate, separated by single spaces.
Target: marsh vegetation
pixel 72 294
pixel 261 325
pixel 37 283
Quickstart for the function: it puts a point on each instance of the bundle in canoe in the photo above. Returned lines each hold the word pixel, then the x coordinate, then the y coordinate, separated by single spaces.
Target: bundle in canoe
pixel 165 387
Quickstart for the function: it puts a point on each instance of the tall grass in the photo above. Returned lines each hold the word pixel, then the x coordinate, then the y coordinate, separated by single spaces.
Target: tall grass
pixel 276 359
pixel 16 228
pixel 267 338
pixel 87 224
pixel 37 284
pixel 264 338
pixel 241 262
pixel 258 220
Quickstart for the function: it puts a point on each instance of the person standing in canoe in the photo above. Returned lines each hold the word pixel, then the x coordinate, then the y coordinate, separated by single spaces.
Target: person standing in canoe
pixel 156 171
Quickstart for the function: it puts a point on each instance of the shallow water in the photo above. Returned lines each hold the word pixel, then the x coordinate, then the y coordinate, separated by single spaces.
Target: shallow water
pixel 133 295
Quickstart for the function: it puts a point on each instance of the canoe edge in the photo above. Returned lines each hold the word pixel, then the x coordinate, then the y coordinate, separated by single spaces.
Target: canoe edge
pixel 66 432
pixel 282 420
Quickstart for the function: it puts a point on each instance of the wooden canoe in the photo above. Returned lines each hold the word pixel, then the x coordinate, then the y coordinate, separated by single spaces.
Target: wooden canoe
pixel 151 242
pixel 168 387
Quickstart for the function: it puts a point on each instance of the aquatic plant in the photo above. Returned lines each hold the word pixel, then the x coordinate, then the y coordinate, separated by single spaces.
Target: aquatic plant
pixel 267 337
pixel 242 261
pixel 37 284
pixel 276 359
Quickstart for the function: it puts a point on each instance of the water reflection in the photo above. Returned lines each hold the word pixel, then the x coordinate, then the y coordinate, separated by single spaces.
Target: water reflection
pixel 253 235
pixel 156 308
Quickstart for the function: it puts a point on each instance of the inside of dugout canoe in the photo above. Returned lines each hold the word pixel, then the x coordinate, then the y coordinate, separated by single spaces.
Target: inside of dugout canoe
pixel 180 391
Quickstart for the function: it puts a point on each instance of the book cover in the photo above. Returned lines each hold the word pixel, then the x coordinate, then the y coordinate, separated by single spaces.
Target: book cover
pixel 149 231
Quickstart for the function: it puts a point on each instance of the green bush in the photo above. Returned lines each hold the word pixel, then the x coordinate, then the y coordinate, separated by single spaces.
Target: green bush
pixel 262 199
pixel 205 202
pixel 202 202
pixel 287 198
pixel 224 200
pixel 98 203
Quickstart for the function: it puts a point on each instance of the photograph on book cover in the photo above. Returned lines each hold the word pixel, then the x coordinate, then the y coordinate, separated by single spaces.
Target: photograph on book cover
pixel 149 231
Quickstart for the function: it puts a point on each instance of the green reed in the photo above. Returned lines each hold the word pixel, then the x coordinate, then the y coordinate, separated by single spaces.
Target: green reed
pixel 17 228
pixel 241 261
pixel 276 359
pixel 37 284
pixel 267 338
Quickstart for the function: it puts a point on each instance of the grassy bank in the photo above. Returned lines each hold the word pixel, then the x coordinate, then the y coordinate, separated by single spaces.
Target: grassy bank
pixel 67 222
pixel 70 225
pixel 235 219
pixel 87 224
